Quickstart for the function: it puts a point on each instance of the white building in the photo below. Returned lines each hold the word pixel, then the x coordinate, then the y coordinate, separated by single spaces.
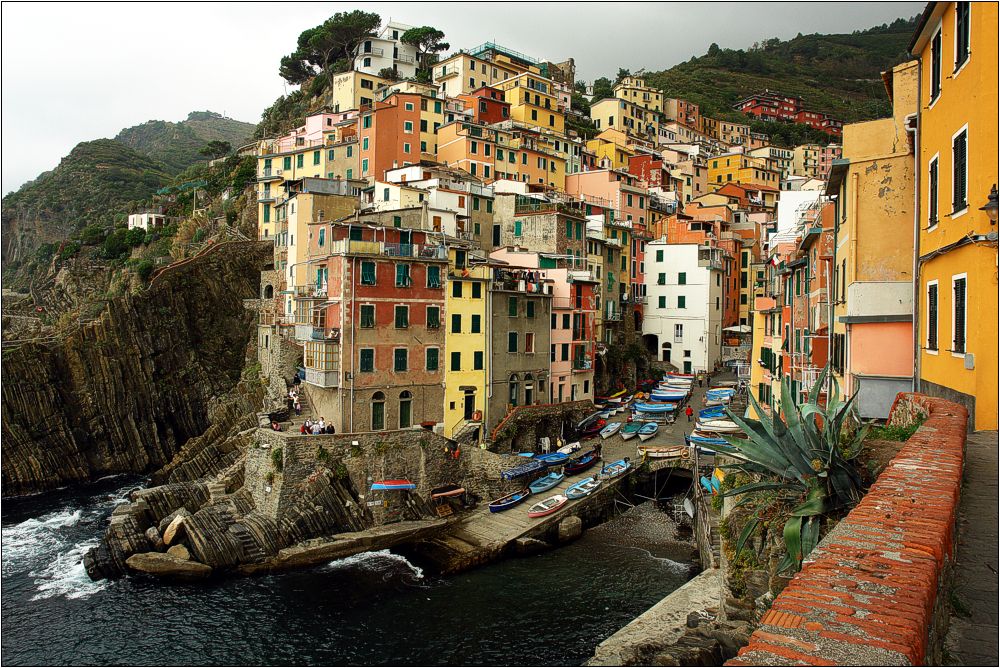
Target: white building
pixel 387 51
pixel 684 305
pixel 148 221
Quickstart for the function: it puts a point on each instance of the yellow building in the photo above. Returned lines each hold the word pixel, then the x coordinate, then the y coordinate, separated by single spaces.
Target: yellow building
pixel 805 160
pixel 957 159
pixel 463 73
pixel 610 150
pixel 466 360
pixel 743 169
pixel 617 114
pixel 635 90
pixel 353 90
pixel 872 346
pixel 533 102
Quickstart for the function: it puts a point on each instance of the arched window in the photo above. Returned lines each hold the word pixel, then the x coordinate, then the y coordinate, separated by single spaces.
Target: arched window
pixel 405 409
pixel 268 292
pixel 529 389
pixel 665 348
pixel 513 390
pixel 378 411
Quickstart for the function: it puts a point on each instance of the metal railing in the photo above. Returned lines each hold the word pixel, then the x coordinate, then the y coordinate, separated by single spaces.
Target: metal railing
pixel 371 51
pixel 403 58
pixel 269 173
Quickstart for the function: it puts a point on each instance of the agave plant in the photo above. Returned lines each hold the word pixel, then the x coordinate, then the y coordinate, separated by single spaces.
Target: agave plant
pixel 798 456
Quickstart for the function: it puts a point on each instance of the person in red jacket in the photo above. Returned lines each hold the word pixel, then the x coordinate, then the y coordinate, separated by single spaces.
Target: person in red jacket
pixel 689 412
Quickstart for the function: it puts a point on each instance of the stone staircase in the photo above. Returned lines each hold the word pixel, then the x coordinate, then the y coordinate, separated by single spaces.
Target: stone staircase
pixel 466 431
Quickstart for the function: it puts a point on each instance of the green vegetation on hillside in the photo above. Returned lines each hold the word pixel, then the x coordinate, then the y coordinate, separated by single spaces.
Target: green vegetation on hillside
pixel 178 145
pixel 835 74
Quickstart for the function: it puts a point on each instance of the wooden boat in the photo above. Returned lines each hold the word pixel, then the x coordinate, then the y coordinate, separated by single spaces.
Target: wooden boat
pixel 569 448
pixel 583 488
pixel 521 470
pixel 552 458
pixel 594 428
pixel 606 414
pixel 611 429
pixel 667 452
pixel 581 463
pixel 392 485
pixel 548 506
pixel 509 501
pixel 718 426
pixel 668 395
pixel 545 483
pixel 630 430
pixel 648 430
pixel 701 438
pixel 447 491
pixel 614 469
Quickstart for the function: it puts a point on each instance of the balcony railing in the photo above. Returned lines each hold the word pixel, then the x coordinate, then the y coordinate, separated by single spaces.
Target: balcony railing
pixel 446 72
pixel 371 51
pixel 582 365
pixel 330 334
pixel 403 58
pixel 265 196
pixel 310 291
pixel 268 174
pixel 354 247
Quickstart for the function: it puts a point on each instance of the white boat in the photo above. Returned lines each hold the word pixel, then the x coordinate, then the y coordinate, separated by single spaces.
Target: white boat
pixel 569 448
pixel 718 426
pixel 611 429
pixel 549 505
pixel 583 488
pixel 630 430
pixel 662 452
pixel 648 431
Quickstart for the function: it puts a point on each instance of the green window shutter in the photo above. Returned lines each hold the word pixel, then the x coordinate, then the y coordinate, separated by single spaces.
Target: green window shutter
pixel 476 324
pixel 569 229
pixel 368 316
pixel 267 213
pixel 932 317
pixel 299 160
pixel 316 157
pixel 402 317
pixel 432 359
pixel 960 160
pixel 477 360
pixel 433 276
pixel 662 302
pixel 489 206
pixel 367 273
pixel 399 360
pixel 433 317
pixel 456 361
pixel 403 275
pixel 681 302
pixel 355 233
pixel 512 307
pixel 512 342
pixel 682 278
pixel 659 256
pixel 367 362
pixel 517 228
pixel 397 221
pixel 287 162
pixel 661 279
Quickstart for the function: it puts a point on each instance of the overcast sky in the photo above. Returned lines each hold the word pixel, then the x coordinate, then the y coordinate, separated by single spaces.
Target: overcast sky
pixel 81 71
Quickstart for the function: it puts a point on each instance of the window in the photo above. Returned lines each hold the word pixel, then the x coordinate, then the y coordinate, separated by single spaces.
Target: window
pixel 932 316
pixel 565 321
pixel 366 362
pixel 529 342
pixel 299 160
pixel 681 301
pixel 661 279
pixel 960 176
pixel 408 127
pixel 662 302
pixel 512 342
pixel 932 193
pixel 962 10
pixel 402 275
pixel 456 323
pixel 529 307
pixel 936 67
pixel 402 316
pixel 406 148
pixel 367 316
pixel 316 157
pixel 552 353
pixel 476 326
pixel 433 317
pixel 477 290
pixel 378 411
pixel 678 332
pixel 682 278
pixel 517 228
pixel 659 256
pixel 564 352
pixel 405 409
pixel 512 307
pixel 367 273
pixel 364 166
pixel 456 288
pixel 477 360
pixel 400 360
pixel 958 314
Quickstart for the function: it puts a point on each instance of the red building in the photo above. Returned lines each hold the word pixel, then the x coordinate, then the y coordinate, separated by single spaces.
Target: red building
pixel 389 135
pixel 773 106
pixel 487 104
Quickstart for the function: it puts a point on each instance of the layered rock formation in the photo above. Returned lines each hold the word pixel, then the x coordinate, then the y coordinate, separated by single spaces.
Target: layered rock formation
pixel 123 393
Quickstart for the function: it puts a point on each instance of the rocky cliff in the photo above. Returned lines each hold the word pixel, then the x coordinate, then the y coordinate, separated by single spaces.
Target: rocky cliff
pixel 123 393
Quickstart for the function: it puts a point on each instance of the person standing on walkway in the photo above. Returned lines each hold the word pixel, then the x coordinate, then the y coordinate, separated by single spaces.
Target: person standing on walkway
pixel 298 407
pixel 689 412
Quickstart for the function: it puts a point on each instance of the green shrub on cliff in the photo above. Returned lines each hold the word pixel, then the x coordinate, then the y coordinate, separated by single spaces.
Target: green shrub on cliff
pixel 277 460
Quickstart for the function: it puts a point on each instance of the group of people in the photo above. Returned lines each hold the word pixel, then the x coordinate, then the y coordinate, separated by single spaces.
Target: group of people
pixel 294 403
pixel 320 426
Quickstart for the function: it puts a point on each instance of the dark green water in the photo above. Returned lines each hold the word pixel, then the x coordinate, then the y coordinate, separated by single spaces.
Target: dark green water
pixel 549 609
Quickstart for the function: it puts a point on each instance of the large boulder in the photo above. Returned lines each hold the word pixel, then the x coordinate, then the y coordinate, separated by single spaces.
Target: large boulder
pixel 165 522
pixel 570 528
pixel 179 552
pixel 175 531
pixel 154 539
pixel 168 566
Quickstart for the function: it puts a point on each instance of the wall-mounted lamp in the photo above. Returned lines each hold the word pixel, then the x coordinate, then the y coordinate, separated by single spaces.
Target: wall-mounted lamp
pixel 991 205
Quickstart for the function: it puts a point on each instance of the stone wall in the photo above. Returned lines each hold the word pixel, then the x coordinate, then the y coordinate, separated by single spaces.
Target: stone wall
pixel 873 592
pixel 522 428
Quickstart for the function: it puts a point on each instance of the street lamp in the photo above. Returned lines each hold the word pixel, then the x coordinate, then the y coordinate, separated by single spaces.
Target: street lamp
pixel 991 205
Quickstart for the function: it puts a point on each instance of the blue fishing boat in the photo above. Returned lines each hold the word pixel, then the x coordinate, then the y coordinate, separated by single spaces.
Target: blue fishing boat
pixel 521 470
pixel 664 407
pixel 668 395
pixel 552 458
pixel 509 501
pixel 546 483
pixel 581 463
pixel 614 469
pixel 712 413
pixel 648 431
pixel 392 485
pixel 699 438
pixel 583 488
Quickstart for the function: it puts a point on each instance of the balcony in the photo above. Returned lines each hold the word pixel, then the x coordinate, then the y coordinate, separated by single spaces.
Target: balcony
pixel 354 247
pixel 371 51
pixel 322 363
pixel 269 174
pixel 582 365
pixel 310 291
pixel 329 334
pixel 447 72
pixel 402 58
pixel 710 258
pixel 265 196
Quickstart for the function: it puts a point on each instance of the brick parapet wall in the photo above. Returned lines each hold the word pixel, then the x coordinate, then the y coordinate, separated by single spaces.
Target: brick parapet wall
pixel 873 590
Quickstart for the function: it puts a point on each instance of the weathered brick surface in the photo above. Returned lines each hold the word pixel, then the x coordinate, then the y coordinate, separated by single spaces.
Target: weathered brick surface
pixel 869 594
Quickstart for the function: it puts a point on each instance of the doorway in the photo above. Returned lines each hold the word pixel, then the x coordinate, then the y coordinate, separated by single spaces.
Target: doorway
pixel 469 405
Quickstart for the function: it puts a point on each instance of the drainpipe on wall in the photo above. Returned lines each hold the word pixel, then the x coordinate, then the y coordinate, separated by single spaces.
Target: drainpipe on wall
pixel 916 228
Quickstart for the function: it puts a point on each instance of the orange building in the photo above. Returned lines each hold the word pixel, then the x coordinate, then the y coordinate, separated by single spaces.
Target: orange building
pixel 389 135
